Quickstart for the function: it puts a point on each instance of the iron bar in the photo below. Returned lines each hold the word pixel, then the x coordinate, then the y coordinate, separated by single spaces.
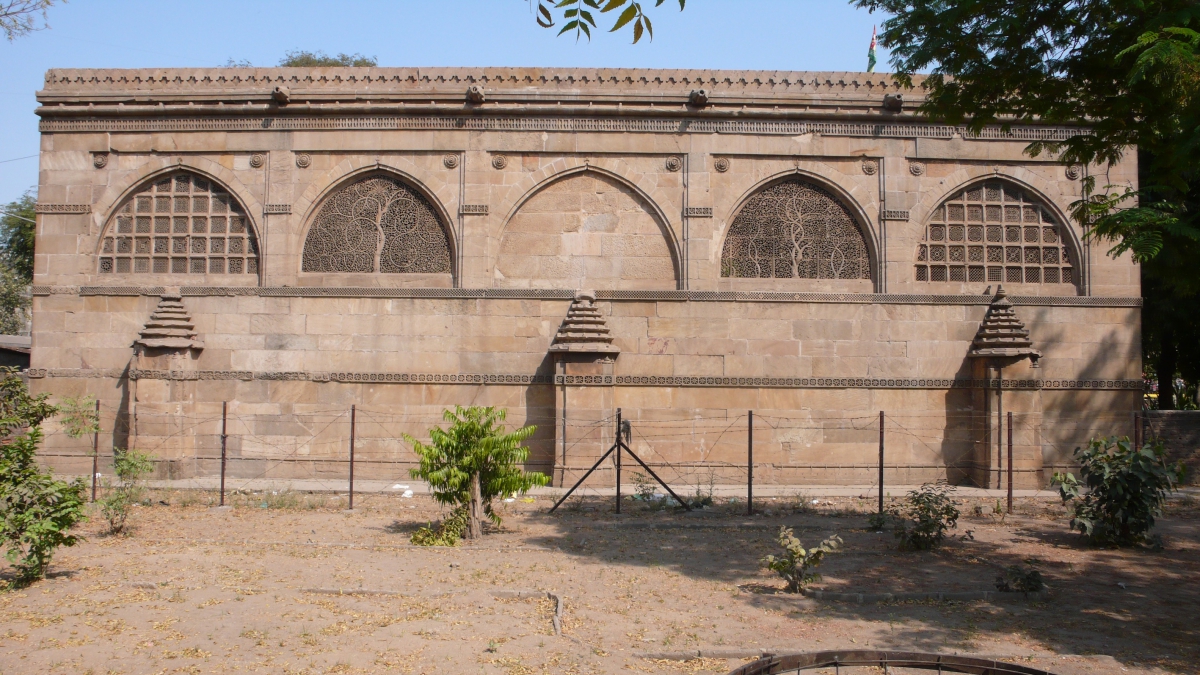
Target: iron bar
pixel 653 475
pixel 880 461
pixel 589 472
pixel 224 419
pixel 1137 430
pixel 1010 462
pixel 96 451
pixel 620 444
pixel 750 465
pixel 352 410
pixel 999 424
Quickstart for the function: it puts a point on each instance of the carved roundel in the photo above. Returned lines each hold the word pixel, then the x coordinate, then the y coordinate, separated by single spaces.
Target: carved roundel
pixel 916 168
pixel 674 164
pixel 1073 172
pixel 499 162
pixel 870 167
pixel 377 224
pixel 721 164
pixel 257 160
pixel 450 161
pixel 795 229
pixel 100 160
pixel 304 160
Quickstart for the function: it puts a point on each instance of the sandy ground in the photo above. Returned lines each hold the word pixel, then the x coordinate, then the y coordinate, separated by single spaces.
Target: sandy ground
pixel 193 589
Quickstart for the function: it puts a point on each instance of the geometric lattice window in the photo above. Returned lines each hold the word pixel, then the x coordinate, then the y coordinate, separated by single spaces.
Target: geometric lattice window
pixel 795 230
pixel 376 224
pixel 994 232
pixel 180 223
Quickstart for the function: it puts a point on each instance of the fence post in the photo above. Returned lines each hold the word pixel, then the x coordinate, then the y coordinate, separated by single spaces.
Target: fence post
pixel 96 451
pixel 881 461
pixel 618 439
pixel 224 410
pixel 1010 463
pixel 352 411
pixel 1137 430
pixel 750 466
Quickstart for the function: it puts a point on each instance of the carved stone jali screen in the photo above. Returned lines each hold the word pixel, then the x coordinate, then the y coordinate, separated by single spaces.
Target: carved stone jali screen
pixel 994 232
pixel 377 224
pixel 179 224
pixel 795 230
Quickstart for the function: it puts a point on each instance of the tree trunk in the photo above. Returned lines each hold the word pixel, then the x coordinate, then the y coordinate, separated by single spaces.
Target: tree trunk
pixel 475 510
pixel 1168 361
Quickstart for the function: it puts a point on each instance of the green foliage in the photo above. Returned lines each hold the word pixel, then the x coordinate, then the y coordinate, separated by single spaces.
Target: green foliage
pixel 927 513
pixel 475 445
pixel 305 59
pixel 447 533
pixel 796 565
pixel 579 19
pixel 131 467
pixel 1017 579
pixel 17 228
pixel 878 521
pixel 37 512
pixel 1126 489
pixel 78 416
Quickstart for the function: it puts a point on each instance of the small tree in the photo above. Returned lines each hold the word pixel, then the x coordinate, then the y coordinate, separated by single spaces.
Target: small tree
pixel 37 512
pixel 1127 488
pixel 474 462
pixel 796 561
pixel 131 467
pixel 927 513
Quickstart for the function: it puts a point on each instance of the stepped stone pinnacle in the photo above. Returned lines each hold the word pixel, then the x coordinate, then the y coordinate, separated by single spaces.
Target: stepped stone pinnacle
pixel 170 326
pixel 584 329
pixel 1002 335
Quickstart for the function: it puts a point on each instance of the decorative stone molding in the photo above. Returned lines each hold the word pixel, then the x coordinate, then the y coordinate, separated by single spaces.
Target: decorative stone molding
pixel 499 162
pixel 473 209
pixel 598 380
pixel 699 212
pixel 721 164
pixel 674 164
pixel 663 125
pixel 42 207
pixel 450 161
pixel 257 160
pixel 99 159
pixel 916 168
pixel 304 160
pixel 895 214
pixel 567 294
pixel 1073 172
pixel 870 167
pixel 276 209
pixel 1002 336
pixel 170 326
pixel 584 329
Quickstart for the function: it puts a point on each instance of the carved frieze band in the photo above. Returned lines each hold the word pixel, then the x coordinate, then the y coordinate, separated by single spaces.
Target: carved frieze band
pixel 594 380
pixel 568 294
pixel 567 124
pixel 699 212
pixel 42 207
pixel 473 209
pixel 277 209
pixel 895 214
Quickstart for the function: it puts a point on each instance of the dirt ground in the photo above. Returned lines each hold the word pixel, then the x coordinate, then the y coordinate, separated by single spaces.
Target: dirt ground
pixel 193 589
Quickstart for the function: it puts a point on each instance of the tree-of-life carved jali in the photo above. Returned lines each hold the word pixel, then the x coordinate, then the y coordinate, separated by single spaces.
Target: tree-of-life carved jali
pixel 377 224
pixel 795 230
pixel 994 232
pixel 179 224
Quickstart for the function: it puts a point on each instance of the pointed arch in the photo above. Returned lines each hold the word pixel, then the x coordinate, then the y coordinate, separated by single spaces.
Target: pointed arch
pixel 179 220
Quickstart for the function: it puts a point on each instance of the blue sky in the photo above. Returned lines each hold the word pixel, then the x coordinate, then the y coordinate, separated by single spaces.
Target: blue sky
pixel 736 34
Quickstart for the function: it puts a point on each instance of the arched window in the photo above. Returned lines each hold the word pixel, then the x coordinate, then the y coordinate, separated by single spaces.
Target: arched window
pixel 377 224
pixel 795 229
pixel 991 232
pixel 180 223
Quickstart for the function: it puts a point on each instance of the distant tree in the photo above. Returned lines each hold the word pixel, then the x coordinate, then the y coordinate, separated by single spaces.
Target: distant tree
pixel 19 18
pixel 578 18
pixel 17 228
pixel 318 59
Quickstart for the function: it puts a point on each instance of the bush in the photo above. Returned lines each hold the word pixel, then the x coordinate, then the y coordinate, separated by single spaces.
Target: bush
pixel 927 513
pixel 131 466
pixel 878 521
pixel 447 533
pixel 796 562
pixel 1126 489
pixel 37 512
pixel 1017 579
pixel 474 462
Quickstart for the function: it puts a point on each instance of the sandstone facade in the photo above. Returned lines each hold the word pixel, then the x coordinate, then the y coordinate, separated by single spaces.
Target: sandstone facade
pixel 371 237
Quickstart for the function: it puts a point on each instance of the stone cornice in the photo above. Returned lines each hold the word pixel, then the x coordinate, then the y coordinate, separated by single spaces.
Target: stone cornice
pixel 569 294
pixel 592 380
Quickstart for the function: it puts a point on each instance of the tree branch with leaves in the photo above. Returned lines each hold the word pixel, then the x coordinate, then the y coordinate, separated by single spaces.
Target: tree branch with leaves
pixel 578 18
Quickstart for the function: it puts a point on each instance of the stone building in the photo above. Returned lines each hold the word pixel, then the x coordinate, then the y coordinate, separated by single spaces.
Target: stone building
pixel 683 245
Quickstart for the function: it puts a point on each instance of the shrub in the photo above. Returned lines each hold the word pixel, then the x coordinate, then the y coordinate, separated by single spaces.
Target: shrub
pixel 130 466
pixel 926 515
pixel 37 512
pixel 78 416
pixel 474 462
pixel 1017 579
pixel 878 521
pixel 796 562
pixel 447 533
pixel 1126 489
